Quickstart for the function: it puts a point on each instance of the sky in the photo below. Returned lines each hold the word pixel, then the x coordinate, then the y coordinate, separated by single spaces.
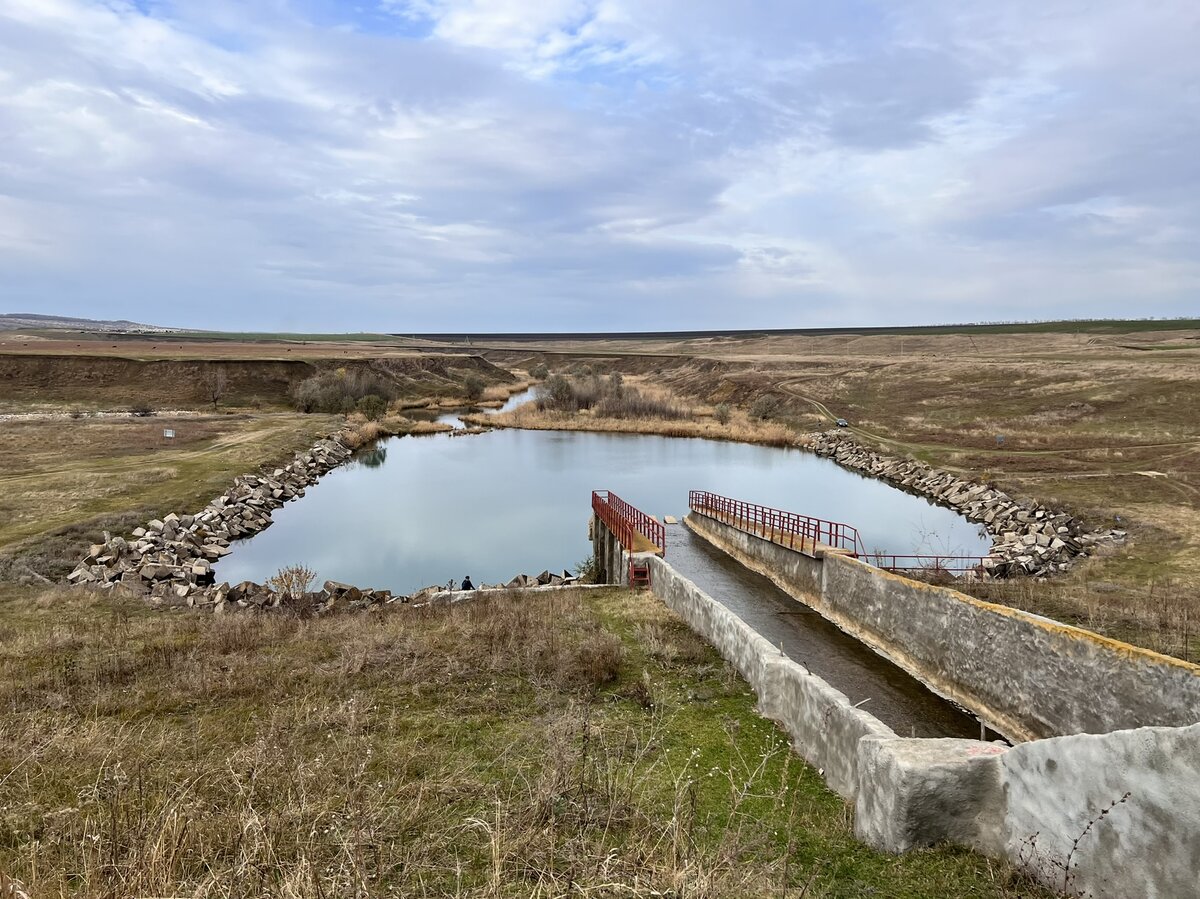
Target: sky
pixel 575 165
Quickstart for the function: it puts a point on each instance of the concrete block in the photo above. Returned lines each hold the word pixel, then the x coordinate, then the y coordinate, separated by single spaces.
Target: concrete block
pixel 915 792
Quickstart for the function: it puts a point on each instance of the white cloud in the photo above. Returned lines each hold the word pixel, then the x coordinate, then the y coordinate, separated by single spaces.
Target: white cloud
pixel 573 162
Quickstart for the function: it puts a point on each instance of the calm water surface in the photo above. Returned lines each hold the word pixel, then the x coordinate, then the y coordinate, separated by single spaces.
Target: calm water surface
pixel 417 511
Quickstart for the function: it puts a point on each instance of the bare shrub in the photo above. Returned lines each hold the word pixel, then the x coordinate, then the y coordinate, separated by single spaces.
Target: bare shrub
pixel 372 406
pixel 588 570
pixel 722 413
pixel 215 382
pixel 473 387
pixel 598 661
pixel 292 583
pixel 632 403
pixel 609 397
pixel 765 407
pixel 340 390
pixel 560 394
pixel 540 371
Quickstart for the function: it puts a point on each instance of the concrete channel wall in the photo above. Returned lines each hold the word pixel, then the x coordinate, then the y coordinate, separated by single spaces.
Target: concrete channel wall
pixel 1026 676
pixel 824 727
pixel 1103 815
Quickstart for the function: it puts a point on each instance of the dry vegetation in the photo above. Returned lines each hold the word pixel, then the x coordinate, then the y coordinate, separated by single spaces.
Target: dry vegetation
pixel 644 408
pixel 583 745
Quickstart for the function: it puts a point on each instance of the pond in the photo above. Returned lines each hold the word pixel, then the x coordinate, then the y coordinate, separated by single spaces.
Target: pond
pixel 415 511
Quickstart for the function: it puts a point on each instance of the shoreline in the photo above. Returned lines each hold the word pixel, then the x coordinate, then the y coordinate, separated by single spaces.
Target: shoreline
pixel 777 436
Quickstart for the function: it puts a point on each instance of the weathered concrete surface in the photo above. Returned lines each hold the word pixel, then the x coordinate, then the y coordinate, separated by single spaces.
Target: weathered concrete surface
pixel 1029 676
pixel 788 568
pixel 1147 846
pixel 1131 798
pixel 825 728
pixel 612 562
pixel 1026 676
pixel 915 792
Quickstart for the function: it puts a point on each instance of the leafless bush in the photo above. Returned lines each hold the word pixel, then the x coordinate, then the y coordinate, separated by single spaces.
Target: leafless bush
pixel 561 394
pixel 291 584
pixel 632 403
pixel 340 390
pixel 765 407
pixel 473 387
pixel 610 398
pixel 215 382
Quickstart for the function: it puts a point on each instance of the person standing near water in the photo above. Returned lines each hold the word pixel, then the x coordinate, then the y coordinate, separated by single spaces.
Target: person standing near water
pixel 466 584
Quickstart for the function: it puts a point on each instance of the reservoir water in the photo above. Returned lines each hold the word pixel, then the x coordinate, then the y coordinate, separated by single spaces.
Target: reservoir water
pixel 415 511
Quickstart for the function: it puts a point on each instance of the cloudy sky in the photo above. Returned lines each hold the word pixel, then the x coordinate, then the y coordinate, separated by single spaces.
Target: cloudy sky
pixel 418 165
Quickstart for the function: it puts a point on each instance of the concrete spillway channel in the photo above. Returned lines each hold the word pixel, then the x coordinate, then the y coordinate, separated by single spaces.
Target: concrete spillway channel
pixel 893 696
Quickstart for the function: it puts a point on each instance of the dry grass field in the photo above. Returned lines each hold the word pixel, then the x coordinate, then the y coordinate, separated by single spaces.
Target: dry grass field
pixel 597 748
pixel 62 482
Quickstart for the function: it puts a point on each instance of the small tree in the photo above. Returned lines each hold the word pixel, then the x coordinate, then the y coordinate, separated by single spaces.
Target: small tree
pixel 766 406
pixel 214 384
pixel 372 407
pixel 722 413
pixel 540 371
pixel 473 387
pixel 557 393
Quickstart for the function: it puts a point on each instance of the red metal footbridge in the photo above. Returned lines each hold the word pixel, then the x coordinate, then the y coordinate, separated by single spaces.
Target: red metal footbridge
pixel 791 529
pixel 806 533
pixel 636 531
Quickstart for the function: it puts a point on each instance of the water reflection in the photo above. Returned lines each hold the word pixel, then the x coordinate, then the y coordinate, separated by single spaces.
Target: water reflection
pixel 370 457
pixel 454 419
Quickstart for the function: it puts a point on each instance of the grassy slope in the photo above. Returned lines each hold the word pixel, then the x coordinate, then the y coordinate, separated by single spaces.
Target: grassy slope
pixel 581 743
pixel 63 482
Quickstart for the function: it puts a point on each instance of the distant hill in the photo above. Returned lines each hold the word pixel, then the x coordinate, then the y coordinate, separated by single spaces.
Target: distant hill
pixel 29 321
pixel 1075 326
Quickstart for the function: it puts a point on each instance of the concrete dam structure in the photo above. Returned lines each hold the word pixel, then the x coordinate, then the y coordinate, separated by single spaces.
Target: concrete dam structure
pixel 1099 792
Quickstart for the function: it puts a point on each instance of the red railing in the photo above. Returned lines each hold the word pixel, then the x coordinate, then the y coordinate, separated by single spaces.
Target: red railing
pixel 928 563
pixel 789 528
pixel 625 521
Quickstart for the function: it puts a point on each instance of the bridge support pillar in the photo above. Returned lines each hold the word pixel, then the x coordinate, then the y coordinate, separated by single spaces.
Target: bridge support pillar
pixel 612 562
